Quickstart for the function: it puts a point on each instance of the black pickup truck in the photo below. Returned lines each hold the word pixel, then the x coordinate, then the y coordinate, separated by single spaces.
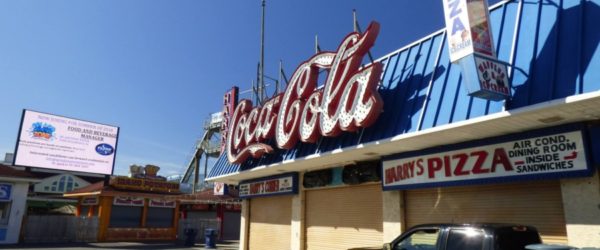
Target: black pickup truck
pixel 466 237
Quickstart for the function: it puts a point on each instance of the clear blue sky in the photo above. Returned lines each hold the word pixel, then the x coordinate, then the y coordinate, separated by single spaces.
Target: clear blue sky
pixel 157 69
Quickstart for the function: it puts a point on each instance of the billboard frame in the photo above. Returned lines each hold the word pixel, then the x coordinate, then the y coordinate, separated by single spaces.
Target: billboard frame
pixel 112 170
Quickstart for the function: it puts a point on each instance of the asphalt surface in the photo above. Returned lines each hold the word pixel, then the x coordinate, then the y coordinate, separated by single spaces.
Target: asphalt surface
pixel 226 245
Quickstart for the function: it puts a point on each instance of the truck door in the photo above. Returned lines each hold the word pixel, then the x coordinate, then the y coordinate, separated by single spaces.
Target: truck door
pixel 420 239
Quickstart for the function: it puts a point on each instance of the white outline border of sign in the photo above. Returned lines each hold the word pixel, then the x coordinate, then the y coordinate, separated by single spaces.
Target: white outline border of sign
pixel 493 140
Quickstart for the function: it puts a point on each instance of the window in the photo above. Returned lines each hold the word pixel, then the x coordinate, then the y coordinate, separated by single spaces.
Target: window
pixel 61 184
pixel 159 217
pixel 467 238
pixel 424 239
pixel 69 183
pixel 516 238
pixel 125 216
pixel 4 212
pixel 84 211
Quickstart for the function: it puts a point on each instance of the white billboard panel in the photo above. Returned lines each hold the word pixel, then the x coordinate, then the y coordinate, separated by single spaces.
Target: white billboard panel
pixel 56 142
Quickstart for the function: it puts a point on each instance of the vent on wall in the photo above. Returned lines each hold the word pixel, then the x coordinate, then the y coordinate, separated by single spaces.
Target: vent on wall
pixel 362 172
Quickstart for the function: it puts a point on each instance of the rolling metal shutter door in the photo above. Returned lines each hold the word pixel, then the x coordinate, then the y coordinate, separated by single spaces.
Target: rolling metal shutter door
pixel 270 220
pixel 537 203
pixel 344 218
pixel 231 225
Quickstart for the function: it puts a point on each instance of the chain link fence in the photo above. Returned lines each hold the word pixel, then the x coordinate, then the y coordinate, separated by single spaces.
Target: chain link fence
pixel 59 229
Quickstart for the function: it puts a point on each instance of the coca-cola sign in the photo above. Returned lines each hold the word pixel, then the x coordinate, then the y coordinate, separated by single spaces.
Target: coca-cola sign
pixel 348 101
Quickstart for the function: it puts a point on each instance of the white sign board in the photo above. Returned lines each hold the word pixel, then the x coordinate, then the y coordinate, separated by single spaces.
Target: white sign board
pixel 493 76
pixel 275 185
pixel 468 28
pixel 551 154
pixel 220 188
pixel 56 142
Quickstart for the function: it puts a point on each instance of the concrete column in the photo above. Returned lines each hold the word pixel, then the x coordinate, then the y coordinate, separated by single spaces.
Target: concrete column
pixel 297 237
pixel 245 224
pixel 17 210
pixel 581 202
pixel 393 214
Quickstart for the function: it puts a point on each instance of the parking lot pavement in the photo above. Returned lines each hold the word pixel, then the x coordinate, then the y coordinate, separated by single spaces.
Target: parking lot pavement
pixel 226 245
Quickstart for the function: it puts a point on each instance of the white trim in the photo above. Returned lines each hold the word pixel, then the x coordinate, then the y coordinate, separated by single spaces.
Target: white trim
pixel 50 199
pixel 19 179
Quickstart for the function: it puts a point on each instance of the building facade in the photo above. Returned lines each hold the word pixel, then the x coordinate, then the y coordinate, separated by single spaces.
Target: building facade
pixel 14 185
pixel 130 209
pixel 433 153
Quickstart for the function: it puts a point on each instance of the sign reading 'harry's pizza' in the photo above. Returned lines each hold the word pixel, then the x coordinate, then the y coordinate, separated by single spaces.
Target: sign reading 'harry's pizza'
pixel 545 155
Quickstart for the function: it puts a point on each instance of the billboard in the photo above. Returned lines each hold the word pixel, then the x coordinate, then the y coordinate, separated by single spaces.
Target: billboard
pixel 61 143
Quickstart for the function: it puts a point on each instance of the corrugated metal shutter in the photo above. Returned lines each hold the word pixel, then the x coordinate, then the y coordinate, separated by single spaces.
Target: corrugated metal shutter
pixel 231 225
pixel 344 218
pixel 537 203
pixel 270 220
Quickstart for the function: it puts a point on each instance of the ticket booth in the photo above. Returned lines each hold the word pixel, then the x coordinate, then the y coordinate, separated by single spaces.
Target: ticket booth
pixel 131 209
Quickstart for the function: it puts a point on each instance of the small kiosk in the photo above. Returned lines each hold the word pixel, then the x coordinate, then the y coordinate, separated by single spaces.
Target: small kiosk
pixel 14 185
pixel 138 208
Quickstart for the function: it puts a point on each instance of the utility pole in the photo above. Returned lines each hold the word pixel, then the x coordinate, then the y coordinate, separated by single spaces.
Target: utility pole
pixel 356 29
pixel 317 48
pixel 261 84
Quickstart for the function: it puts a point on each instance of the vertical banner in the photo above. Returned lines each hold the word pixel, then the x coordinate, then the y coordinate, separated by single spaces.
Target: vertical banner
pixel 468 28
pixel 471 46
pixel 230 100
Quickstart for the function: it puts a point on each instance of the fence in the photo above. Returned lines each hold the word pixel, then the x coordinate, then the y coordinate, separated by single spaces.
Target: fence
pixel 59 228
pixel 200 225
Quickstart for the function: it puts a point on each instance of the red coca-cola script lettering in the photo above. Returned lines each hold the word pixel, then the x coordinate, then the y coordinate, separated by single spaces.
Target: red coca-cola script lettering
pixel 348 101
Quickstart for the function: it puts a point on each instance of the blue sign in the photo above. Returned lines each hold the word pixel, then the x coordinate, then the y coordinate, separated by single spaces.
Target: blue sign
pixel 5 191
pixel 104 149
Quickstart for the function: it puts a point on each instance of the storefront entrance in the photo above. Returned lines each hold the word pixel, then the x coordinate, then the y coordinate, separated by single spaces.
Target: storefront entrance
pixel 344 218
pixel 536 203
pixel 270 219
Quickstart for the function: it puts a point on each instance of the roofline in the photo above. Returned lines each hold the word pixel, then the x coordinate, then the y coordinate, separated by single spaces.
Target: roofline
pixel 18 179
pixel 50 199
pixel 82 194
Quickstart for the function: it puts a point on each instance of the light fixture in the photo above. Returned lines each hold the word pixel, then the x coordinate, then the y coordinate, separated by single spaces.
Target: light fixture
pixel 551 119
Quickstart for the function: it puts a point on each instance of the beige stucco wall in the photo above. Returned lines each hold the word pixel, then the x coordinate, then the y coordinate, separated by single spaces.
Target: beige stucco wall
pixel 18 208
pixel 581 201
pixel 297 230
pixel 244 224
pixel 392 215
